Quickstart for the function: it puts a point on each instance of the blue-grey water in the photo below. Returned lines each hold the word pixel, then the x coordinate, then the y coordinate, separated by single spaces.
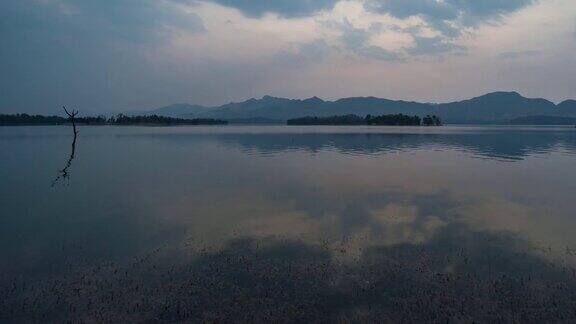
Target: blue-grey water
pixel 272 223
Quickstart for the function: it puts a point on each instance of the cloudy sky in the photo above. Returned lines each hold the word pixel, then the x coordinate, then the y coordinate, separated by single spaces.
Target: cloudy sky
pixel 117 55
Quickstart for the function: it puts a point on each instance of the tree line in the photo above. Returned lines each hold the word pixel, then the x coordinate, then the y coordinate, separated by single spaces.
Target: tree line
pixel 384 120
pixel 123 120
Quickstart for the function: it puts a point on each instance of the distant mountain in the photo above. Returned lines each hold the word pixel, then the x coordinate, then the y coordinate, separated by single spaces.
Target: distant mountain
pixel 174 111
pixel 567 108
pixel 268 107
pixel 178 110
pixel 283 109
pixel 496 107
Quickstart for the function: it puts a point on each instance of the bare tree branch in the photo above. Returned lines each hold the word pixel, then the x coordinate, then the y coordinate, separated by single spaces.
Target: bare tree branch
pixel 72 115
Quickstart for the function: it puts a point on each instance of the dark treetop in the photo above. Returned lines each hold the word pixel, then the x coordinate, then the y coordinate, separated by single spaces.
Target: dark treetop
pixel 25 119
pixel 384 120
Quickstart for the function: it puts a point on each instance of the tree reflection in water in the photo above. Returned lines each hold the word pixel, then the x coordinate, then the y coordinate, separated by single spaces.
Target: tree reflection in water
pixel 63 174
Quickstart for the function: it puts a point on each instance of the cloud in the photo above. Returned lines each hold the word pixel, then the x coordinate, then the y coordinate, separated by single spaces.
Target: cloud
pixel 518 54
pixel 59 51
pixel 354 38
pixel 283 8
pixel 407 8
pixel 433 46
pixel 136 54
pixel 379 53
pixel 475 11
pixel 358 41
pixel 132 20
pixel 305 53
pixel 448 16
pixel 87 21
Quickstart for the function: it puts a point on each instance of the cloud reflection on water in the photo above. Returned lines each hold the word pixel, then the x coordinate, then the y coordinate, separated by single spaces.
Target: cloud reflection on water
pixel 337 226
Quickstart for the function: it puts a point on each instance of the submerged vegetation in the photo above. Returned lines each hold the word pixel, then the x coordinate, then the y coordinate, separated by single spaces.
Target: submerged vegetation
pixel 122 120
pixel 384 120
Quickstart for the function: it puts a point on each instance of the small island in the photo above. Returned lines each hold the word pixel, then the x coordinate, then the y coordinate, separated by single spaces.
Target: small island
pixel 352 120
pixel 118 120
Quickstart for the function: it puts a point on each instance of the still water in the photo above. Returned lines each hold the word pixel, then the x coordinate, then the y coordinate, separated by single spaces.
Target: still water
pixel 282 224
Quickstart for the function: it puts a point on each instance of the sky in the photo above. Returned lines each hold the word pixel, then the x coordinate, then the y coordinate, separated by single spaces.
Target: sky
pixel 118 55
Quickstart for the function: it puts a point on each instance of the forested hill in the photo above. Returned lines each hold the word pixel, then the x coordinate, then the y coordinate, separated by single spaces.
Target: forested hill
pixel 492 108
pixel 496 107
pixel 384 120
pixel 120 120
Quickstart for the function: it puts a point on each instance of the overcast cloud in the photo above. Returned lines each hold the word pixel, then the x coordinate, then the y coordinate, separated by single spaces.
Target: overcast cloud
pixel 107 56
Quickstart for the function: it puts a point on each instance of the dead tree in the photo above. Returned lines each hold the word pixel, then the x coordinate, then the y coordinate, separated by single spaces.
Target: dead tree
pixel 64 174
pixel 72 117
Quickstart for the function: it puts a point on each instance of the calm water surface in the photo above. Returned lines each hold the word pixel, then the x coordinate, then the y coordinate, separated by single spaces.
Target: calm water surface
pixel 288 224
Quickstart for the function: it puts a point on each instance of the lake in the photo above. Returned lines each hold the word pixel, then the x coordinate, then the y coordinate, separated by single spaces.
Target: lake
pixel 288 224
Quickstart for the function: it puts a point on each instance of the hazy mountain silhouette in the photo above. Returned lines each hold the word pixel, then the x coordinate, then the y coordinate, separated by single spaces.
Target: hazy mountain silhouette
pixel 567 108
pixel 182 109
pixel 175 111
pixel 496 107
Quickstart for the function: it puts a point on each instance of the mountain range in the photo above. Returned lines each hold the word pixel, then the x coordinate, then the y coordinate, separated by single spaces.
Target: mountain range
pixel 496 107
